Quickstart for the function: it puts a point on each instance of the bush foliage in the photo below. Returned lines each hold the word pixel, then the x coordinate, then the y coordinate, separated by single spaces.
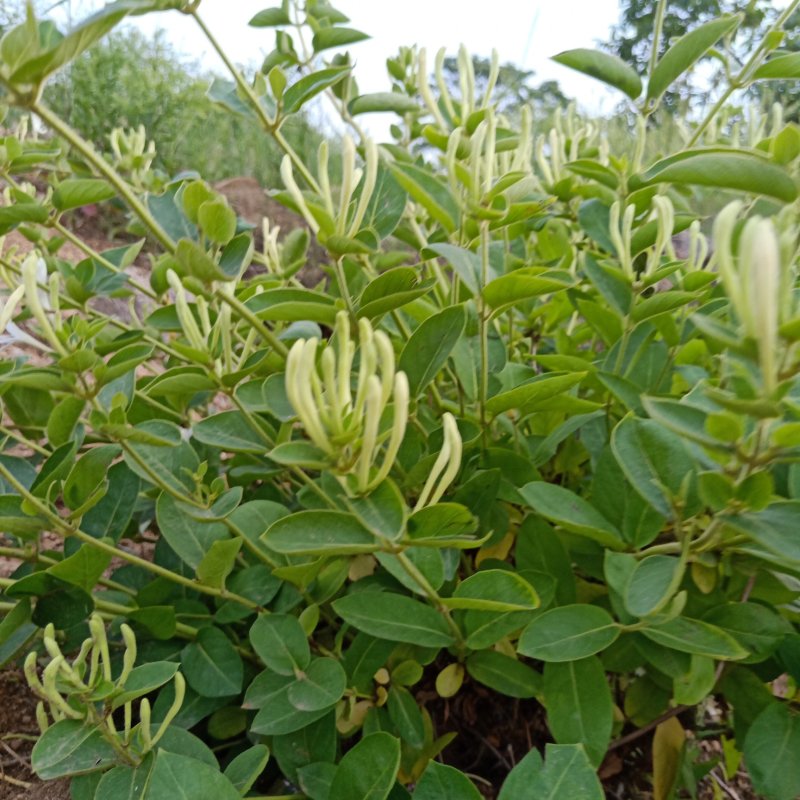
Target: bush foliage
pixel 514 443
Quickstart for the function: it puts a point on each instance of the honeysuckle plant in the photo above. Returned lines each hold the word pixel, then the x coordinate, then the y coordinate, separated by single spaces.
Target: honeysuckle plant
pixel 519 442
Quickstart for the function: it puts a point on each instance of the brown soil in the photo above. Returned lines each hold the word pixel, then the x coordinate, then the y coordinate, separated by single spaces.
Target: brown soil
pixel 17 729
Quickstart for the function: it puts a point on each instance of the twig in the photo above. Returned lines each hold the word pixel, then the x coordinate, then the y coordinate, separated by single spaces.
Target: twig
pixel 639 732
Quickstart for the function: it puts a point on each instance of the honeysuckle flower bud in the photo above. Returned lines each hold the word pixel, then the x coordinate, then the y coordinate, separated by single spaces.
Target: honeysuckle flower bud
pixel 698 248
pixel 344 425
pixel 665 217
pixel 188 323
pixel 724 226
pixel 370 179
pixel 179 684
pixel 9 307
pixel 425 90
pixel 324 178
pixel 761 281
pixel 621 237
pixel 33 270
pixel 287 175
pixel 446 466
pixel 466 80
pixel 98 631
pixel 129 656
pixel 444 91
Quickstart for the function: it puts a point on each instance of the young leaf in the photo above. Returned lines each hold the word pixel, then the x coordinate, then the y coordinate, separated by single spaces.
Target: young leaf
pixel 440 782
pixel 687 51
pixel 786 67
pixel 211 664
pixel 280 642
pixel 694 636
pixel 320 533
pixel 609 69
pixel 77 192
pixel 504 674
pixel 770 751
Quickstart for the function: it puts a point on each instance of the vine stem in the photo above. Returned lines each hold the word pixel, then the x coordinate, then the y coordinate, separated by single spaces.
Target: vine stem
pixel 658 26
pixel 70 530
pixel 271 127
pixel 55 123
pixel 744 75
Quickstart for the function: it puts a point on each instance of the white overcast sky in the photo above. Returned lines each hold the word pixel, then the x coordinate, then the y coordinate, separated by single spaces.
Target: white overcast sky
pixel 525 32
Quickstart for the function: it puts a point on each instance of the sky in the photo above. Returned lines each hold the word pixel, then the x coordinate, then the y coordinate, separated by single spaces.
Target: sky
pixel 525 32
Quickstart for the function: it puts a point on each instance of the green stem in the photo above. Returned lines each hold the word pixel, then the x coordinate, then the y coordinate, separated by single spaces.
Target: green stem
pixel 658 26
pixel 66 529
pixel 58 125
pixel 483 323
pixel 246 314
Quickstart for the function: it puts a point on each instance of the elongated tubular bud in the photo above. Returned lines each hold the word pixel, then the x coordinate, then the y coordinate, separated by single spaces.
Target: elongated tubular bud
pixel 466 75
pixel 41 717
pixel 490 149
pixel 328 365
pixel 129 656
pixel 8 309
pixel 724 226
pixel 299 392
pixel 367 364
pixel 144 725
pixel 101 643
pixel 386 361
pixel 453 437
pixel 621 237
pixel 523 154
pixel 29 668
pixel 761 267
pixel 49 641
pixel 425 90
pixel 556 153
pixel 541 160
pixel 79 664
pixel 33 299
pixel 287 175
pixel 494 72
pixel 180 693
pixel 438 467
pixel 185 316
pixel 345 350
pixel 369 440
pixel 370 179
pixel 401 399
pixel 348 183
pixel 127 718
pixel 451 159
pixel 444 92
pixel 51 693
pixel 324 178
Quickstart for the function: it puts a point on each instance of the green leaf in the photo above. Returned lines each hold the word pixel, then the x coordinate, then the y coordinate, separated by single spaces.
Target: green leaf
pixel 429 347
pixel 83 568
pixel 368 770
pixel 320 533
pixel 177 777
pixel 440 782
pixel 77 192
pixel 661 303
pixel 391 290
pixel 87 475
pixel 280 642
pixel 211 664
pixel 218 563
pixel 607 68
pixel 770 751
pixel 277 716
pixel 568 633
pixel 696 637
pixel 494 590
pixel 686 51
pixel 746 171
pixel 430 192
pixel 387 615
pixel 522 285
pixel 382 102
pixel 756 627
pixel 504 674
pixel 158 451
pixel 786 67
pixel 269 18
pixel 110 517
pixel 656 463
pixel 337 36
pixel 293 305
pixel 320 685
pixel 190 538
pixel 145 679
pixel 228 431
pixel 579 706
pixel 244 770
pixel 406 716
pixel 70 747
pixel 299 93
pixel 774 529
pixel 565 773
pixel 653 583
pixel 530 395
pixel 217 220
pixel 572 512
pixel 465 263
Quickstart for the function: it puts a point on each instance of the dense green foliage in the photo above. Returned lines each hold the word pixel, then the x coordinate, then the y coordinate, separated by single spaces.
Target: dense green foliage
pixel 517 441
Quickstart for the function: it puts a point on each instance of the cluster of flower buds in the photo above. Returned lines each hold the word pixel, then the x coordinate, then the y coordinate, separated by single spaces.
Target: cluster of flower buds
pixel 345 425
pixel 758 282
pixel 84 689
pixel 621 232
pixel 564 142
pixel 345 221
pixel 133 154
